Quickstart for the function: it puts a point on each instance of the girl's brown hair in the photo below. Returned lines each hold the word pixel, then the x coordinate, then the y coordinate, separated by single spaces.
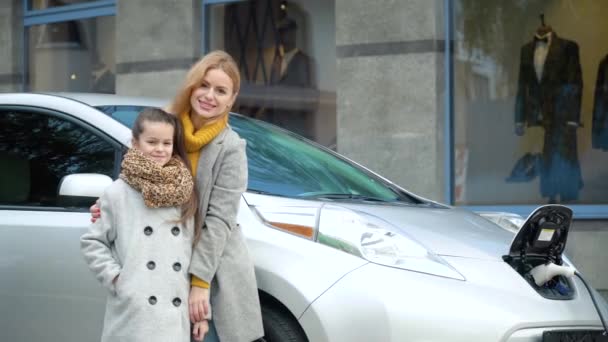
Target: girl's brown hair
pixel 213 60
pixel 190 208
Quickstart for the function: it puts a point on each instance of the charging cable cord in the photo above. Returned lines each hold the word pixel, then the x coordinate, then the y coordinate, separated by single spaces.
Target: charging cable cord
pixel 599 312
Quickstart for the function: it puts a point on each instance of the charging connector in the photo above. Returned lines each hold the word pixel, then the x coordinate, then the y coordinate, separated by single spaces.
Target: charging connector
pixel 545 272
pixel 599 312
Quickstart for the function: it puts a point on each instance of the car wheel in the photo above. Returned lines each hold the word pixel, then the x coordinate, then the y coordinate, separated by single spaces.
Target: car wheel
pixel 281 326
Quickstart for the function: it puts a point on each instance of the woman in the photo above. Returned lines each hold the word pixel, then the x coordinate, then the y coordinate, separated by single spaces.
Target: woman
pixel 221 268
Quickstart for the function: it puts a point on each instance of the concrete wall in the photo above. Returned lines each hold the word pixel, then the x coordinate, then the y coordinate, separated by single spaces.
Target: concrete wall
pixel 156 43
pixel 390 90
pixel 11 38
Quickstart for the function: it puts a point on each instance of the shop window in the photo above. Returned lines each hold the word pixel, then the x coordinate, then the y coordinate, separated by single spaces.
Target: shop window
pixel 530 102
pixel 287 60
pixel 44 4
pixel 74 55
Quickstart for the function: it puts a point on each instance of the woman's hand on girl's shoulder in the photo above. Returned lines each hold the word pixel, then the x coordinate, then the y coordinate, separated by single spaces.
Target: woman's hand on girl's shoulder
pixel 95 211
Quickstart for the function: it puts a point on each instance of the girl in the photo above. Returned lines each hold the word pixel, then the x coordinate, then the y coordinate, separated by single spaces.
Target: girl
pixel 141 246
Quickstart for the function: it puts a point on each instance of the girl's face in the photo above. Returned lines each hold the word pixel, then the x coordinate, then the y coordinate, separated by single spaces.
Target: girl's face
pixel 213 97
pixel 156 141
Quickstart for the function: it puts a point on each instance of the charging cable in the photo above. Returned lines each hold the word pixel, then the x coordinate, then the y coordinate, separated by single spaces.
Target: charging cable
pixel 599 312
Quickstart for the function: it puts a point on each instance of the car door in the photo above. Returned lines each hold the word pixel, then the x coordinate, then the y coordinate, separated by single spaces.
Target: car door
pixel 46 291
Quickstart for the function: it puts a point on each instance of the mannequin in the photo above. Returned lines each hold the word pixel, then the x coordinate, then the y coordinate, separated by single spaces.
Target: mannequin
pixel 599 129
pixel 291 68
pixel 549 95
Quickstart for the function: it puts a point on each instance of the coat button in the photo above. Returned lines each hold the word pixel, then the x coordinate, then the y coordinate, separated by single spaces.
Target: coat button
pixel 151 265
pixel 177 267
pixel 175 231
pixel 148 230
pixel 177 302
pixel 152 300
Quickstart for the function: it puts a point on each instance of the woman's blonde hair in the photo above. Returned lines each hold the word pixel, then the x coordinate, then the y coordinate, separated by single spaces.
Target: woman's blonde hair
pixel 213 60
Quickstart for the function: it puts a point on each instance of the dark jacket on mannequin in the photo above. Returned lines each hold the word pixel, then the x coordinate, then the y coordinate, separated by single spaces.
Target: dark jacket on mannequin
pixel 556 98
pixel 599 130
pixel 554 103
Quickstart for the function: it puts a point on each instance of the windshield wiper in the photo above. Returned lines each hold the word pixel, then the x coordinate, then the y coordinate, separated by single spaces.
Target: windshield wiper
pixel 262 192
pixel 342 196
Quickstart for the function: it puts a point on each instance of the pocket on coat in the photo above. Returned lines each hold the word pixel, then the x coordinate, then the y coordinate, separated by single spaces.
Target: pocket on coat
pixel 115 285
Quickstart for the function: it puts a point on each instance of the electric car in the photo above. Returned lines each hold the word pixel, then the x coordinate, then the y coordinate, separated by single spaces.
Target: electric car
pixel 341 253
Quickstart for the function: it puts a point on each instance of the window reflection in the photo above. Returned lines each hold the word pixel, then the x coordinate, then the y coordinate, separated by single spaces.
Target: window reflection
pixel 44 4
pixel 75 55
pixel 273 168
pixel 39 150
pixel 529 102
pixel 288 75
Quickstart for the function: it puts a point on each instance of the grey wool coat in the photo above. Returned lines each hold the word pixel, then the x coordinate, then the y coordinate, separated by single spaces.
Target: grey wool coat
pixel 151 254
pixel 221 257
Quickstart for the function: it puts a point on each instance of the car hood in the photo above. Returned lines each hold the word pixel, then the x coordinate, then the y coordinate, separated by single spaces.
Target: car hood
pixel 452 231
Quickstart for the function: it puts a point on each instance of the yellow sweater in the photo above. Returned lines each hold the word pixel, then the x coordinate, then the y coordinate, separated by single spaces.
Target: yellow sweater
pixel 195 140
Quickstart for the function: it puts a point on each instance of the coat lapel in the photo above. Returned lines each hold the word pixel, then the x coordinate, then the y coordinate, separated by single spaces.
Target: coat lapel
pixel 553 56
pixel 528 60
pixel 204 175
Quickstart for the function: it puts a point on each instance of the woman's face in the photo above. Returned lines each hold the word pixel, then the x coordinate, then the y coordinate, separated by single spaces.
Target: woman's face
pixel 213 97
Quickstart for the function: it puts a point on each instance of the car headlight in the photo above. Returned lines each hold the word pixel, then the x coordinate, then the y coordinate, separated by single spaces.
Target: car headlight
pixel 379 242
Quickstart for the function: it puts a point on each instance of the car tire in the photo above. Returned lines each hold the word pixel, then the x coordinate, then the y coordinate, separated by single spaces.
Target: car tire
pixel 281 326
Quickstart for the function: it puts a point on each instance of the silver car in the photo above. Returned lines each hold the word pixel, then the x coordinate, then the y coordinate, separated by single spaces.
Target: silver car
pixel 341 253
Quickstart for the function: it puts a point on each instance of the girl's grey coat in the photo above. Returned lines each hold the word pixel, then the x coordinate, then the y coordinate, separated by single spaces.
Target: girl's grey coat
pixel 149 301
pixel 221 257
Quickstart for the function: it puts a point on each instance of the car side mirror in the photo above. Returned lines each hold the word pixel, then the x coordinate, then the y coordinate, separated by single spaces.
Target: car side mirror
pixel 82 189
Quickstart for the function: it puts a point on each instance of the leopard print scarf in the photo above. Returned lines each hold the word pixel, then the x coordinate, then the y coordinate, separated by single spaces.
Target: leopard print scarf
pixel 161 186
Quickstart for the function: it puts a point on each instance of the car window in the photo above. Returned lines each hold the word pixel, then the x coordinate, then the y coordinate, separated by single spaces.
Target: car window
pixel 126 115
pixel 38 149
pixel 284 164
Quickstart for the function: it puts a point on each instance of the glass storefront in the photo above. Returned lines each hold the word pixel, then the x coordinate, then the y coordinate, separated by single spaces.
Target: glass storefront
pixel 287 60
pixel 530 102
pixel 74 55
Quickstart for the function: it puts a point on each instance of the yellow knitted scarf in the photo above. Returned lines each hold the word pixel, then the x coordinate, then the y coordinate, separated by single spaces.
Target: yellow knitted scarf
pixel 196 140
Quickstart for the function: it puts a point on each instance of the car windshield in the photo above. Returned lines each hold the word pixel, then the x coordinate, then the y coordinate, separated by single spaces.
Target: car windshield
pixel 282 163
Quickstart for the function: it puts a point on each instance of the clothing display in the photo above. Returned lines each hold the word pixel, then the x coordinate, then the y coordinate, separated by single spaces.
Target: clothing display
pixel 291 69
pixel 526 168
pixel 549 95
pixel 599 128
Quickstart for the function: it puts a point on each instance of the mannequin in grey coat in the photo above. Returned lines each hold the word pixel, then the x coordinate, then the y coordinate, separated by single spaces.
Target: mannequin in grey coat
pixel 221 256
pixel 152 259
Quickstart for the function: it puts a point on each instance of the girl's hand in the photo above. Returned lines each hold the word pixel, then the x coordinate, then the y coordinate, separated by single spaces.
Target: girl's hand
pixel 199 330
pixel 198 304
pixel 95 211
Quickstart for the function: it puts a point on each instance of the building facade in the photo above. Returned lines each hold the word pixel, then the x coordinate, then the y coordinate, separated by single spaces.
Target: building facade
pixel 491 105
